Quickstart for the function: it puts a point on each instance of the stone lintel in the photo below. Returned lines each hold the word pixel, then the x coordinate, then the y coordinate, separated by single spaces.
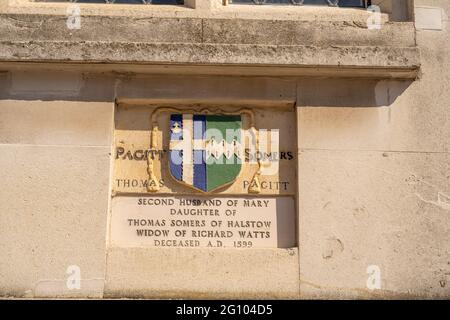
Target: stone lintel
pixel 230 59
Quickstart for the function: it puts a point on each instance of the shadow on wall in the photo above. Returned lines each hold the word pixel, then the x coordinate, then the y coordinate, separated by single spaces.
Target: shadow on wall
pixel 349 92
pixel 103 87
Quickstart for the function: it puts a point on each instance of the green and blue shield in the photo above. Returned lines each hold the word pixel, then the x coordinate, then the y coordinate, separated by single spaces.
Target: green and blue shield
pixel 205 150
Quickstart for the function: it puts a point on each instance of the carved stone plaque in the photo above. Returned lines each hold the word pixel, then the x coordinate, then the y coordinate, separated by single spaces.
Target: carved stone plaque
pixel 204 177
pixel 182 221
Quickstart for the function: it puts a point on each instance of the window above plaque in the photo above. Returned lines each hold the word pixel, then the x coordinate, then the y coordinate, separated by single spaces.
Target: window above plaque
pixel 331 3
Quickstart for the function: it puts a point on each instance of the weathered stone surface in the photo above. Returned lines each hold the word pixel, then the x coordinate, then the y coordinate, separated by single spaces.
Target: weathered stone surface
pixel 388 209
pixel 274 92
pixel 202 273
pixel 429 18
pixel 100 28
pixel 379 175
pixel 403 120
pixel 275 32
pixel 336 45
pixel 370 61
pixel 55 123
pixel 53 204
pixel 196 30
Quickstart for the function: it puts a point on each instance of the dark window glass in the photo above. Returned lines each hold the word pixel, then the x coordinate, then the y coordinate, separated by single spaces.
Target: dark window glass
pixel 340 3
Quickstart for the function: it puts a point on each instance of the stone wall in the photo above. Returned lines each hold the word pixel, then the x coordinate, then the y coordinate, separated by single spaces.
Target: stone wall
pixel 373 151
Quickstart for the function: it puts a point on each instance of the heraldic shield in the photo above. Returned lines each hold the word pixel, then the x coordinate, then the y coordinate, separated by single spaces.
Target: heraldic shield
pixel 205 150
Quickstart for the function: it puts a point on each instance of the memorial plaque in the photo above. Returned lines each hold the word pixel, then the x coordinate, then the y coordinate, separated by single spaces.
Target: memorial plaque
pixel 204 177
pixel 182 221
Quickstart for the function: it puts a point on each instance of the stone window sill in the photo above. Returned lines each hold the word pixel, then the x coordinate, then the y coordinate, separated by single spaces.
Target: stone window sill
pixel 191 10
pixel 213 45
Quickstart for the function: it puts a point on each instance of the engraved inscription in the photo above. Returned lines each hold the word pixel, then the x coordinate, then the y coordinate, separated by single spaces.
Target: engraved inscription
pixel 203 222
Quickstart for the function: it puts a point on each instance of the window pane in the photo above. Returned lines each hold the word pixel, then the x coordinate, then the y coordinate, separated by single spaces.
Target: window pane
pixel 341 3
